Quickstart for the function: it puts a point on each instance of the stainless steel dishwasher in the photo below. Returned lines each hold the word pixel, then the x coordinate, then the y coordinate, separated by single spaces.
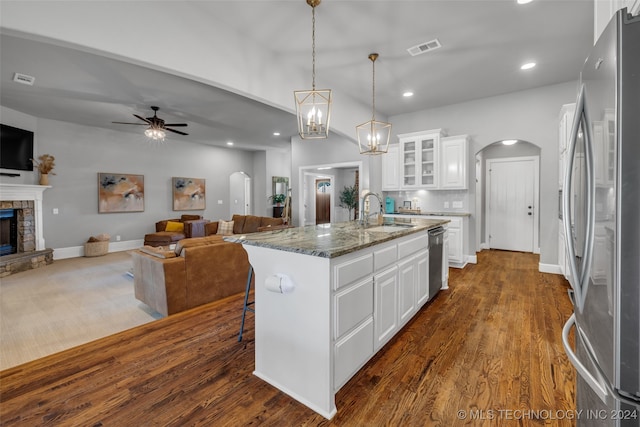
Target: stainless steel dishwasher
pixel 436 245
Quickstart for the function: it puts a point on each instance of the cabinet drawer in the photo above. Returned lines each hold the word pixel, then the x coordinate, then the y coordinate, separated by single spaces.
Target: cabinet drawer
pixel 352 270
pixel 352 352
pixel 385 257
pixel 413 245
pixel 353 305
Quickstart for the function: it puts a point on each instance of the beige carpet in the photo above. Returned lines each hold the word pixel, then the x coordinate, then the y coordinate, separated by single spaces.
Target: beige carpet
pixel 67 303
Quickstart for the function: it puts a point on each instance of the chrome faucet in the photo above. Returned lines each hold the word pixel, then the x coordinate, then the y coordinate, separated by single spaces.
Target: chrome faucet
pixel 364 215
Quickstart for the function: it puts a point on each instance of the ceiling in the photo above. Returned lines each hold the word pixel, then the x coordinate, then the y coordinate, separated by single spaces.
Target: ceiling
pixel 484 42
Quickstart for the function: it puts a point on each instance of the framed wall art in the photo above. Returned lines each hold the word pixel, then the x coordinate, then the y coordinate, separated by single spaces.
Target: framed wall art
pixel 119 192
pixel 188 194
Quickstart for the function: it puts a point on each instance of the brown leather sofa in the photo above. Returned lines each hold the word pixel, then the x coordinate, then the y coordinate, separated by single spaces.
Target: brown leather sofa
pixel 192 226
pixel 198 271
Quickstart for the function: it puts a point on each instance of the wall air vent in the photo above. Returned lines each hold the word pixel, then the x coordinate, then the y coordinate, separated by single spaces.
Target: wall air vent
pixel 24 79
pixel 424 47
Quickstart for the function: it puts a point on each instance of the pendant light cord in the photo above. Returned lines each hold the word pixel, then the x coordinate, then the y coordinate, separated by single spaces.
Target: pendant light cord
pixel 313 47
pixel 373 113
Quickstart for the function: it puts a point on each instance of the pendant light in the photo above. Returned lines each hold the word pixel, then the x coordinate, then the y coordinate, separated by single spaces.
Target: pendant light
pixel 313 107
pixel 373 136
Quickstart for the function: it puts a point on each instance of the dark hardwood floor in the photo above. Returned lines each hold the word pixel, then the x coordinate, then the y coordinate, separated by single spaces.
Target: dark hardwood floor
pixel 490 343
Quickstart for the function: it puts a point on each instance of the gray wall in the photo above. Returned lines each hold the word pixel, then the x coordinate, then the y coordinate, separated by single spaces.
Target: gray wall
pixel 334 150
pixel 528 115
pixel 81 152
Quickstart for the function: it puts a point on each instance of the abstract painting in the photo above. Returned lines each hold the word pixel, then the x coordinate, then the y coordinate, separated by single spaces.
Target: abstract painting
pixel 188 194
pixel 119 192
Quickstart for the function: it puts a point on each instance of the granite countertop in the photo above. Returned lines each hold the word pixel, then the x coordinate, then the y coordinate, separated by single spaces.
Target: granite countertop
pixel 428 213
pixel 334 240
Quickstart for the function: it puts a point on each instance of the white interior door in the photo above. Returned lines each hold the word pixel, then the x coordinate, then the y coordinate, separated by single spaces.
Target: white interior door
pixel 512 212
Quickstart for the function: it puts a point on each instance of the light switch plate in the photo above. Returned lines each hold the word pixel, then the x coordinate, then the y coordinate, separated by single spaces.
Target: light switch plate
pixel 457 205
pixel 446 205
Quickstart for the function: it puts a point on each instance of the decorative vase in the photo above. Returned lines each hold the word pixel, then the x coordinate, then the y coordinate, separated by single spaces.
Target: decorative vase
pixel 44 179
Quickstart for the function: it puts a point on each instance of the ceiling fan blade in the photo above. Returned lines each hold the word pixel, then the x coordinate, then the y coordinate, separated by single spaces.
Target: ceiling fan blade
pixel 142 118
pixel 127 123
pixel 176 131
pixel 176 124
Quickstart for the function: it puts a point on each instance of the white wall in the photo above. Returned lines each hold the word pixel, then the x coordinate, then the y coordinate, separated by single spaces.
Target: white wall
pixel 530 115
pixel 81 152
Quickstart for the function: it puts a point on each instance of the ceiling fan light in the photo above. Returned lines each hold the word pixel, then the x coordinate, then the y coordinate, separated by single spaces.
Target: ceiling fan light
pixel 155 134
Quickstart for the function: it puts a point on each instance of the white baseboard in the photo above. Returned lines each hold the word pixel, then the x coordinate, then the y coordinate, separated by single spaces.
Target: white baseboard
pixel 484 246
pixel 549 268
pixel 473 259
pixel 78 251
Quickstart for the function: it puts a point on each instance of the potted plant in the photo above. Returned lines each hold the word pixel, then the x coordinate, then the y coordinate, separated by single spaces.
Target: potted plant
pixel 45 165
pixel 349 199
pixel 277 199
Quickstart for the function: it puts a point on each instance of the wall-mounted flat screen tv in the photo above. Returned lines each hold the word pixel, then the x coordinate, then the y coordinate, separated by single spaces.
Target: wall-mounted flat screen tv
pixel 16 148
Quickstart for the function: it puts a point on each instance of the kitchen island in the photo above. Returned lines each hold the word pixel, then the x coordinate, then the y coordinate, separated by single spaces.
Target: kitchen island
pixel 328 297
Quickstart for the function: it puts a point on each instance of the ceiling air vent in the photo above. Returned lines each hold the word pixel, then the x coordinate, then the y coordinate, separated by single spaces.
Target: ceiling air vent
pixel 24 79
pixel 424 47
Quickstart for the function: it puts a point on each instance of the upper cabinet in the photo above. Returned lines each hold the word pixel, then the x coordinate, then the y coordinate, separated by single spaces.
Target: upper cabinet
pixel 427 160
pixel 419 159
pixel 564 135
pixel 605 9
pixel 391 169
pixel 453 162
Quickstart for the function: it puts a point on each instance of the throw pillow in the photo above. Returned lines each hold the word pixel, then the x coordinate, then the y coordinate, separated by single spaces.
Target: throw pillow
pixel 174 226
pixel 225 228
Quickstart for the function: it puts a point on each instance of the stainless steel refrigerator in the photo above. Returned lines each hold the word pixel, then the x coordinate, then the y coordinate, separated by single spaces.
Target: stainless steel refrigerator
pixel 601 215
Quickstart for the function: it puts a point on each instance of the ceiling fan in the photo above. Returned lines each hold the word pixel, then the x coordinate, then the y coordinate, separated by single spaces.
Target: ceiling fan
pixel 157 126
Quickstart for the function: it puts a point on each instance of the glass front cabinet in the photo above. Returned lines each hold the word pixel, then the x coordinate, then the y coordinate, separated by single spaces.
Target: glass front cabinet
pixel 418 157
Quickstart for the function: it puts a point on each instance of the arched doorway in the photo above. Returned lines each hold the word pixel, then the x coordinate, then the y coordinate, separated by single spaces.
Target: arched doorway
pixel 239 194
pixel 507 196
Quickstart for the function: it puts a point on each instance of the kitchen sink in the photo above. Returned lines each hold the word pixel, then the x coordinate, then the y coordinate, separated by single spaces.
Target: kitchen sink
pixel 390 228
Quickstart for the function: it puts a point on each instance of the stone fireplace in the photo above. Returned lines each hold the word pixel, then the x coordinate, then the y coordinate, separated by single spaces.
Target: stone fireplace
pixel 21 233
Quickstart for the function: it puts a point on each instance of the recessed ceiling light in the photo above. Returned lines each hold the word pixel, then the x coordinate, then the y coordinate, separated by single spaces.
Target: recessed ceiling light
pixel 528 66
pixel 509 141
pixel 229 143
pixel 524 1
pixel 276 134
pixel 324 168
pixel 407 94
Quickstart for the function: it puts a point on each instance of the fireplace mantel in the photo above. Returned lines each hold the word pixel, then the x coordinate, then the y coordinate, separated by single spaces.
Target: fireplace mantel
pixel 14 192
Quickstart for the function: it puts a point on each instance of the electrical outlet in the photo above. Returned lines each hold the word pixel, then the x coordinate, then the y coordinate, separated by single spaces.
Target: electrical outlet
pixel 219 202
pixel 457 205
pixel 55 211
pixel 446 205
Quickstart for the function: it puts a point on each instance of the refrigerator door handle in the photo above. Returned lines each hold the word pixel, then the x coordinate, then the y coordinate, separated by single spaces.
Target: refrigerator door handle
pixel 566 201
pixel 596 386
pixel 580 283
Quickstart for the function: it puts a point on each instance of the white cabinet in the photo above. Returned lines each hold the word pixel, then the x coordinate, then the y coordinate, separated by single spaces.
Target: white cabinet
pixel 391 169
pixel 453 162
pixel 422 284
pixel 386 306
pixel 429 160
pixel 564 134
pixel 407 275
pixel 604 11
pixel 562 256
pixel 454 240
pixel 419 159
